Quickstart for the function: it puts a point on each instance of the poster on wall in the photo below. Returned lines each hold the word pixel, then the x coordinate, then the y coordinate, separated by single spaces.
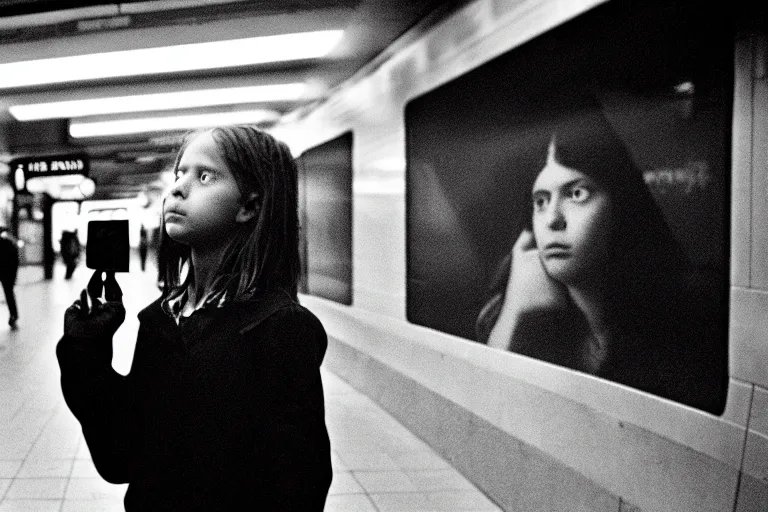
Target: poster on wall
pixel 325 212
pixel 568 200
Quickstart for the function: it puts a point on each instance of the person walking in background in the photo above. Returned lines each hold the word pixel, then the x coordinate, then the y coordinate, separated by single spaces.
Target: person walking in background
pixel 223 408
pixel 9 267
pixel 143 246
pixel 70 251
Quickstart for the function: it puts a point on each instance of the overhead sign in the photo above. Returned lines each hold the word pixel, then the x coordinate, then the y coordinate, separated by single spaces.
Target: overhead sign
pixel 26 168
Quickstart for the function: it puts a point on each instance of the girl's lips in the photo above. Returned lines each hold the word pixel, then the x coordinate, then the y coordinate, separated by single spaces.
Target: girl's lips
pixel 174 210
pixel 556 253
pixel 556 250
pixel 172 214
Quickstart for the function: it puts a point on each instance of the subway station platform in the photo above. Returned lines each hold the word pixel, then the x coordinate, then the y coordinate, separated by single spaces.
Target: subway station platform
pixel 45 465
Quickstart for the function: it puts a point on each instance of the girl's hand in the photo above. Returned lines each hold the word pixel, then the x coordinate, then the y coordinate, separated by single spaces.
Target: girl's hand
pixel 529 288
pixel 97 319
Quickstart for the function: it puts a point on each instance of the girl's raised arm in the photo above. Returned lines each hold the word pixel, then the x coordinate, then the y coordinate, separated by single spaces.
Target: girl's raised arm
pixel 100 398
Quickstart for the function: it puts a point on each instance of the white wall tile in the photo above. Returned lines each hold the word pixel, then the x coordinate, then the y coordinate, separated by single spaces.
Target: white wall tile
pixel 758 418
pixel 748 336
pixel 756 456
pixel 759 265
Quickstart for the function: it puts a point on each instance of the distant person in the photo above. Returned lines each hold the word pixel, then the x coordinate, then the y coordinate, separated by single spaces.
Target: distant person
pixel 223 407
pixel 143 246
pixel 160 248
pixel 598 282
pixel 9 268
pixel 70 251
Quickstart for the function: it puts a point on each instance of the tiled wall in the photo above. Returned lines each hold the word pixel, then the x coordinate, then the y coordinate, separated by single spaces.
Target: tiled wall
pixel 516 475
pixel 532 434
pixel 489 411
pixel 749 263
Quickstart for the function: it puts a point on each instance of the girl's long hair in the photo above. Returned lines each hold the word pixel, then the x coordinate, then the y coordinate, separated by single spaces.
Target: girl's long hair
pixel 263 253
pixel 666 310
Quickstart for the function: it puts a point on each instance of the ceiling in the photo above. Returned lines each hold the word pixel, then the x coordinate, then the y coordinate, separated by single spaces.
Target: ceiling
pixel 123 166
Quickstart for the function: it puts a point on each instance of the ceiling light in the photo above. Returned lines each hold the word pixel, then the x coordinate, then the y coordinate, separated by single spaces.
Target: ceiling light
pixel 170 59
pixel 158 124
pixel 167 5
pixel 160 101
pixel 24 21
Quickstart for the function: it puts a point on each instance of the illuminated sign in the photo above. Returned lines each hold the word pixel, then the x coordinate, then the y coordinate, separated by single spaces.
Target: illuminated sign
pixel 27 168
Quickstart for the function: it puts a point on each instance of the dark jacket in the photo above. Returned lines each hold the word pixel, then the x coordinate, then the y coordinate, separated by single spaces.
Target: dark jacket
pixel 223 412
pixel 70 246
pixel 9 259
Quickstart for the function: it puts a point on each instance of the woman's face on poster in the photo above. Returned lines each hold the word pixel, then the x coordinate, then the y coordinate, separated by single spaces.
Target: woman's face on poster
pixel 571 222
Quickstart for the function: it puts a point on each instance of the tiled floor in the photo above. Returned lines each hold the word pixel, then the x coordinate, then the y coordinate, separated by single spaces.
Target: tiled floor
pixel 45 465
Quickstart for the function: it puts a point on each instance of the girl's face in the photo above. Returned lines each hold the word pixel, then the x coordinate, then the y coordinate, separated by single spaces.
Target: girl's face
pixel 571 223
pixel 203 205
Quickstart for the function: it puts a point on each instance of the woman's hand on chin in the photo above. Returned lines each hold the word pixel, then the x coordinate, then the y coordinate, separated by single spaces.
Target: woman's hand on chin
pixel 529 287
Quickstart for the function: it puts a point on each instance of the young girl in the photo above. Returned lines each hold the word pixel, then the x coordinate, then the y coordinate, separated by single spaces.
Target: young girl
pixel 223 407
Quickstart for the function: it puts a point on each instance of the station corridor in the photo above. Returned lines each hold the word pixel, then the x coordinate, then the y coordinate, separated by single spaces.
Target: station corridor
pixel 45 465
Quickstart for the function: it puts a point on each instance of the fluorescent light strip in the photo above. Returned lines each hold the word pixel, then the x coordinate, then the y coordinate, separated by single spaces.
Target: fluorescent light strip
pixel 170 59
pixel 159 101
pixel 61 16
pixel 159 124
pixel 103 11
pixel 167 5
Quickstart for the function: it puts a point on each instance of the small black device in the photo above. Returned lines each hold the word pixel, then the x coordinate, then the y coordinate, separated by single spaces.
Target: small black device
pixel 107 247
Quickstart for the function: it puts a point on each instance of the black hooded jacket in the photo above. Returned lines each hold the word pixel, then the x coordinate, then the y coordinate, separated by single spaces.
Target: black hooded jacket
pixel 224 411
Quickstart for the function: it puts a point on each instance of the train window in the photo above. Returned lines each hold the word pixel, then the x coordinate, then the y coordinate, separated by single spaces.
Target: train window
pixel 325 209
pixel 568 200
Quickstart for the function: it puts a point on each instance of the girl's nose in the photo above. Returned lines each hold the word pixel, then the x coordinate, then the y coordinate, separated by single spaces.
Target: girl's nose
pixel 555 217
pixel 179 188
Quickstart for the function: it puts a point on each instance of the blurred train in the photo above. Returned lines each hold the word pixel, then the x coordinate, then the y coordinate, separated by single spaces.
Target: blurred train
pixel 416 181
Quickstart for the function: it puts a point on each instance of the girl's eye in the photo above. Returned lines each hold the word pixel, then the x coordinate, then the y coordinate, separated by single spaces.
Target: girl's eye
pixel 205 176
pixel 178 174
pixel 579 193
pixel 539 203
